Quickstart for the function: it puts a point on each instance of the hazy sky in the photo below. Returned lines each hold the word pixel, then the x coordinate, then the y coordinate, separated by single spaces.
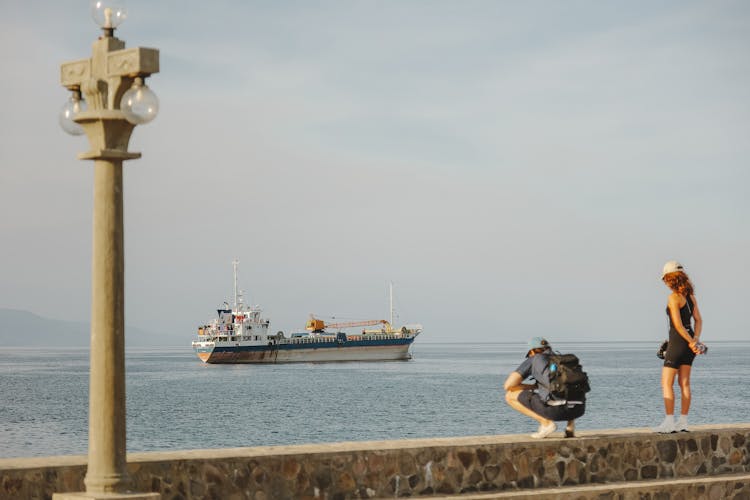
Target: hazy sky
pixel 514 168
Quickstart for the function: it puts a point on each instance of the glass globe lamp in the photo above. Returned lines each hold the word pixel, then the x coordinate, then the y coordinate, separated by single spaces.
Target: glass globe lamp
pixel 139 104
pixel 68 113
pixel 108 14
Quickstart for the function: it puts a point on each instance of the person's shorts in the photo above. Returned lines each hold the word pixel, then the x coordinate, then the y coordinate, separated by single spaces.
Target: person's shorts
pixel 678 352
pixel 533 402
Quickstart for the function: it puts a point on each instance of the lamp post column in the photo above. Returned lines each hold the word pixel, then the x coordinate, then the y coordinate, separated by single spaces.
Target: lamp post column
pixel 106 81
pixel 107 448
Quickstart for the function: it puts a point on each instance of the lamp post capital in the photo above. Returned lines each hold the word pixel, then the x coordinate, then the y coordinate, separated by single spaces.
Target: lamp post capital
pixel 102 80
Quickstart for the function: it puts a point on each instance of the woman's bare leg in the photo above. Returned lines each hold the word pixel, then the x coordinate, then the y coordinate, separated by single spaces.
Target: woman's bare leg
pixel 683 378
pixel 667 388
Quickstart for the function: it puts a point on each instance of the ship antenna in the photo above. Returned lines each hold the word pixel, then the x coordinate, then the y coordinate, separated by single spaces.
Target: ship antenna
pixel 235 262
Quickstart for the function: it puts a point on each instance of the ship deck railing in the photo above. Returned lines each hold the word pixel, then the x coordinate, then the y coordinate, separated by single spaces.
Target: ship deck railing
pixel 323 339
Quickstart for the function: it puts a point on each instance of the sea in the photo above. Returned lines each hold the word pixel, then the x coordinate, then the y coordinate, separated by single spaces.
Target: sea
pixel 175 402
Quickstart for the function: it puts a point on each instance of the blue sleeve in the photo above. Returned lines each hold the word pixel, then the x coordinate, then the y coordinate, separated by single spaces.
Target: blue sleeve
pixel 525 368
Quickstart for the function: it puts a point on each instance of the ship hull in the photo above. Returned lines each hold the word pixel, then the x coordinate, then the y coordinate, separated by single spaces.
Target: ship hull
pixel 390 350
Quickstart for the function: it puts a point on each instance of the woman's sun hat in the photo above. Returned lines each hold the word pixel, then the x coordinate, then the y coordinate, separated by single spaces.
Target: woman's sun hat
pixel 671 267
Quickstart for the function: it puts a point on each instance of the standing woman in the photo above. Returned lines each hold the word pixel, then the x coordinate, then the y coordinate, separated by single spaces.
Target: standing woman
pixel 682 310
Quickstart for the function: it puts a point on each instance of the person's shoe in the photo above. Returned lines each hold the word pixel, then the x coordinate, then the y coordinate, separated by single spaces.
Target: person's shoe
pixel 545 430
pixel 682 425
pixel 570 430
pixel 667 426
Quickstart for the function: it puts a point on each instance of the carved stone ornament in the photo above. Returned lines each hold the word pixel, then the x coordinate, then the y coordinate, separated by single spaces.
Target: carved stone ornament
pixel 74 72
pixel 138 61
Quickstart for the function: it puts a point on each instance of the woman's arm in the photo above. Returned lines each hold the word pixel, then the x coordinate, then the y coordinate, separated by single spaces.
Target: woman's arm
pixel 697 318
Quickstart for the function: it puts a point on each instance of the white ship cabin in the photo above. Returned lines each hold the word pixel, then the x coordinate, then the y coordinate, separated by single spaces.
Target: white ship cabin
pixel 239 325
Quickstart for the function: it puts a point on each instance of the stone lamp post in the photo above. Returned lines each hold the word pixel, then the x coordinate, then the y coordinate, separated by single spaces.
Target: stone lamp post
pixel 108 100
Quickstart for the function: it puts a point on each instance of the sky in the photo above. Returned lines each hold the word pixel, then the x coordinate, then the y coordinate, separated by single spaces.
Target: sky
pixel 513 168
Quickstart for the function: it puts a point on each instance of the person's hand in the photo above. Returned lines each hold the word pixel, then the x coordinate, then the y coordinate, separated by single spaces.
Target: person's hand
pixel 694 347
pixel 700 347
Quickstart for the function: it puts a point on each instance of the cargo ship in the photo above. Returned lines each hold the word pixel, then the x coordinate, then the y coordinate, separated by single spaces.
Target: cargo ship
pixel 239 334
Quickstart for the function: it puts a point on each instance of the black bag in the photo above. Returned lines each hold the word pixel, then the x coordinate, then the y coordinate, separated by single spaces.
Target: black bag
pixel 567 380
pixel 662 349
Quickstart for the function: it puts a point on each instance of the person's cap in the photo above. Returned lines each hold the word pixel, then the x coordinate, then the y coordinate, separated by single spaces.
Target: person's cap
pixel 538 343
pixel 671 267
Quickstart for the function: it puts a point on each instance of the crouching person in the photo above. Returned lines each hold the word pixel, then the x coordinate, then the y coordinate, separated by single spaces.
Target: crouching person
pixel 534 399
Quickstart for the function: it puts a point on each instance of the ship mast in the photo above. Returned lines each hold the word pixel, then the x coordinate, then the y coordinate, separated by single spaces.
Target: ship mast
pixel 235 263
pixel 391 301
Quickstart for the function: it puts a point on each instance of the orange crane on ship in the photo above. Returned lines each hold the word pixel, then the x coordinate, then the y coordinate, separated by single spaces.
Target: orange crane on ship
pixel 316 325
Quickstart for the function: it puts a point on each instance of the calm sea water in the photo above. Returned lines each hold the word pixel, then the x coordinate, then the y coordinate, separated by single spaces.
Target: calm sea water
pixel 176 402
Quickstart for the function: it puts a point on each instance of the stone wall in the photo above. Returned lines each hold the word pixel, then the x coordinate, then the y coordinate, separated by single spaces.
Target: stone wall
pixel 406 468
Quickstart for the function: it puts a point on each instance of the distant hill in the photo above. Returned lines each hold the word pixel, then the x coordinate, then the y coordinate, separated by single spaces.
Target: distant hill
pixel 26 329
